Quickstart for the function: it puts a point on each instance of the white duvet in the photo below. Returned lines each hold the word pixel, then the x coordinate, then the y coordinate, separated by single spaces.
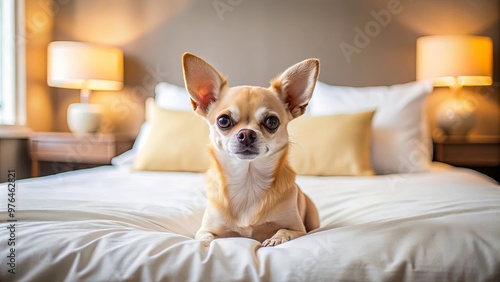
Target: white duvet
pixel 110 224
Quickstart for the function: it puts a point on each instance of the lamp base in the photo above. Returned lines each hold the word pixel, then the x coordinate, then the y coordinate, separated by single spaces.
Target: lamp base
pixel 455 116
pixel 84 118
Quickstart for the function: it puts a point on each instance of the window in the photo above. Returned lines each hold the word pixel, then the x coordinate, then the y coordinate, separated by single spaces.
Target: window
pixel 12 70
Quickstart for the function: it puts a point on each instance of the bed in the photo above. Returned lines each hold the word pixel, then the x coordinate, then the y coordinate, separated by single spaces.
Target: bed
pixel 422 221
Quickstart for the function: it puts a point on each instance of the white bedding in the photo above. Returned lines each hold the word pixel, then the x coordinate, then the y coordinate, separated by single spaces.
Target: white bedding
pixel 110 224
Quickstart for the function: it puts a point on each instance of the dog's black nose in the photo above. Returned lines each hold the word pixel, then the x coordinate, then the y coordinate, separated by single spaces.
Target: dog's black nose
pixel 246 136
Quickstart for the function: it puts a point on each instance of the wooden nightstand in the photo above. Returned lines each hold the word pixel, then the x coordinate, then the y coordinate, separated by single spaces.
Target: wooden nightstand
pixel 481 153
pixel 65 151
pixel 14 154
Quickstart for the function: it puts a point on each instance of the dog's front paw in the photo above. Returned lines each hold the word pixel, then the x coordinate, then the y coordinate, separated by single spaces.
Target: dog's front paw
pixel 206 239
pixel 274 241
pixel 281 236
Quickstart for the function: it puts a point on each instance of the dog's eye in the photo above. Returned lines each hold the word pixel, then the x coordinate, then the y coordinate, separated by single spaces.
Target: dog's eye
pixel 272 123
pixel 224 122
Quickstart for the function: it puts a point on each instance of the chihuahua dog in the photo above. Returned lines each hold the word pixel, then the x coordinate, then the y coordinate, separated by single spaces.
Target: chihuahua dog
pixel 251 189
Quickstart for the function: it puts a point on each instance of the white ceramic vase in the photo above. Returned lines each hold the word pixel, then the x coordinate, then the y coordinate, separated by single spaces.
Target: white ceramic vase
pixel 84 118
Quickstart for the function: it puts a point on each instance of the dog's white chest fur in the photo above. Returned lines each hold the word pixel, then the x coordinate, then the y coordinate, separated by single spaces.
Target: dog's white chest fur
pixel 247 182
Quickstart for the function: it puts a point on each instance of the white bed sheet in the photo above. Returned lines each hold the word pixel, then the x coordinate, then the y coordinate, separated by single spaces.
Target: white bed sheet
pixel 110 224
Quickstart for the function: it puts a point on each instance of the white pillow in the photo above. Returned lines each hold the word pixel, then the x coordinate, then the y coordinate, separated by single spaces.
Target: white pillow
pixel 172 97
pixel 125 159
pixel 401 141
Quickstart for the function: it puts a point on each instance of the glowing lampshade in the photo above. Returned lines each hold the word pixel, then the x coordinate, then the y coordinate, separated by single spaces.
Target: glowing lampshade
pixel 84 66
pixel 79 65
pixel 455 60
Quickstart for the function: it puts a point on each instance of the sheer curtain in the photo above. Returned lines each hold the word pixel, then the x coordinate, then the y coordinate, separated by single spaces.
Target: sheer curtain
pixel 12 64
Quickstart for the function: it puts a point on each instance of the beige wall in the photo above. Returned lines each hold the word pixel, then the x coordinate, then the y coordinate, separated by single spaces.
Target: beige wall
pixel 39 99
pixel 253 40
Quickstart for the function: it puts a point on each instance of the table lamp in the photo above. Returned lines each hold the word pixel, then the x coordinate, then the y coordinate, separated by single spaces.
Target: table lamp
pixel 85 66
pixel 455 61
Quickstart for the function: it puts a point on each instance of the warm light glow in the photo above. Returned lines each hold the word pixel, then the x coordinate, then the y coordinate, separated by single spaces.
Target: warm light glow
pixel 80 65
pixel 118 22
pixel 455 60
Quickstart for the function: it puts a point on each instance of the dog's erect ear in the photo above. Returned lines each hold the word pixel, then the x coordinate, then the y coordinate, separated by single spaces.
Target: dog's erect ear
pixel 296 85
pixel 203 82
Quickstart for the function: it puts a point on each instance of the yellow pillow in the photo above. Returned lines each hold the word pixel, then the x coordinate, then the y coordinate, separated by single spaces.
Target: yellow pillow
pixel 177 141
pixel 331 145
